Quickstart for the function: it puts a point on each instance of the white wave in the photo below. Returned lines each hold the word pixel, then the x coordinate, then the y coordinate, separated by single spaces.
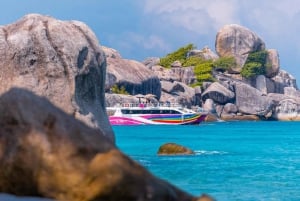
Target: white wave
pixel 204 152
pixel 144 162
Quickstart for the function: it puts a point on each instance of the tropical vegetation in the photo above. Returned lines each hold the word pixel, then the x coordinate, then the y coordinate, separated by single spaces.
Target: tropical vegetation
pixel 202 68
pixel 119 90
pixel 255 64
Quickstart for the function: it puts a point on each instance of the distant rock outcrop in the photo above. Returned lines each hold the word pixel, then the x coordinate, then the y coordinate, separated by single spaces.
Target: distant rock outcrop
pixel 206 53
pixel 237 41
pixel 133 75
pixel 267 93
pixel 272 63
pixel 218 93
pixel 281 80
pixel 178 92
pixel 61 60
pixel 111 53
pixel 251 101
pixel 287 110
pixel 115 99
pixel 180 74
pixel 151 61
pixel 47 153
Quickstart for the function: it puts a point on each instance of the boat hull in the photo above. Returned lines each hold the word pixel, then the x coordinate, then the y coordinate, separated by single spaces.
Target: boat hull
pixel 188 119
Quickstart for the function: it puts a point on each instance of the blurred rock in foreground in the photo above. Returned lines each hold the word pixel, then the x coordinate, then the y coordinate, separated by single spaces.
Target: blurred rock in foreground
pixel 46 153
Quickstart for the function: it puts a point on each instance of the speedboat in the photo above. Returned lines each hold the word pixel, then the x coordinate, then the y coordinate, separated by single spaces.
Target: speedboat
pixel 159 114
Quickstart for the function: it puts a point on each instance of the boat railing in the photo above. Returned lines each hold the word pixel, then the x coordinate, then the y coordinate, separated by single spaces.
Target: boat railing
pixel 150 105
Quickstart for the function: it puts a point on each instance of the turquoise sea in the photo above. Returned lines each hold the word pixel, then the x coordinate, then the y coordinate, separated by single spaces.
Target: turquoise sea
pixel 245 161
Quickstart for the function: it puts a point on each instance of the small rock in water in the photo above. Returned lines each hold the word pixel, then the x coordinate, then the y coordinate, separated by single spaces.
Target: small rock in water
pixel 174 149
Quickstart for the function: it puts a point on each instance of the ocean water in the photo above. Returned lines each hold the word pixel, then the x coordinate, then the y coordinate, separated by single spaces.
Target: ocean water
pixel 245 161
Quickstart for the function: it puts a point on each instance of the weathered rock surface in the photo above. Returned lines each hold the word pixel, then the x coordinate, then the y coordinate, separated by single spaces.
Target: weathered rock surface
pixel 230 108
pixel 251 101
pixel 47 153
pixel 273 64
pixel 178 92
pixel 185 74
pixel 133 75
pixel 244 117
pixel 174 149
pixel 181 74
pixel 218 93
pixel 287 110
pixel 261 84
pixel 176 64
pixel 237 41
pixel 114 99
pixel 281 80
pixel 59 60
pixel 206 53
pixel 291 92
pixel 151 61
pixel 209 105
pixel 165 74
pixel 111 53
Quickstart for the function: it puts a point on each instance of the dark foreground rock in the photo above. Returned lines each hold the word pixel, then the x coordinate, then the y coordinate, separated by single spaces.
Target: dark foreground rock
pixel 174 149
pixel 46 153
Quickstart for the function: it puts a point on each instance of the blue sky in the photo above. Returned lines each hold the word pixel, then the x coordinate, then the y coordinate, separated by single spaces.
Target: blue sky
pixel 146 28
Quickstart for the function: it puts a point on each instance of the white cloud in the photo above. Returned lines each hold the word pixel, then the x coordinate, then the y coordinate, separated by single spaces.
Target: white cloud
pixel 146 41
pixel 198 16
pixel 131 43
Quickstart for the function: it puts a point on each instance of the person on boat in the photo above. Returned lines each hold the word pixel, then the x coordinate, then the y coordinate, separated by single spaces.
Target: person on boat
pixel 168 103
pixel 142 105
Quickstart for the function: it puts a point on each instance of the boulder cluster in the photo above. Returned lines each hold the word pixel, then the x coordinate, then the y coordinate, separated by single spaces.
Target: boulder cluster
pixel 55 138
pixel 273 95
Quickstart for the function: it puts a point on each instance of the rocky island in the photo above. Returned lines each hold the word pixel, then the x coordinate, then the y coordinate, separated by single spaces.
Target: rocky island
pixel 243 80
pixel 55 138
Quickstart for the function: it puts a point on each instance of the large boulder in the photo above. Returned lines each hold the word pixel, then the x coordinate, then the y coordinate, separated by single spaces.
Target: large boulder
pixel 209 105
pixel 218 93
pixel 272 63
pixel 237 41
pixel 230 108
pixel 111 53
pixel 112 100
pixel 61 60
pixel 165 74
pixel 252 101
pixel 261 84
pixel 186 74
pixel 178 92
pixel 291 92
pixel 46 153
pixel 180 74
pixel 133 75
pixel 287 106
pixel 276 98
pixel 287 110
pixel 281 80
pixel 151 61
pixel 206 53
